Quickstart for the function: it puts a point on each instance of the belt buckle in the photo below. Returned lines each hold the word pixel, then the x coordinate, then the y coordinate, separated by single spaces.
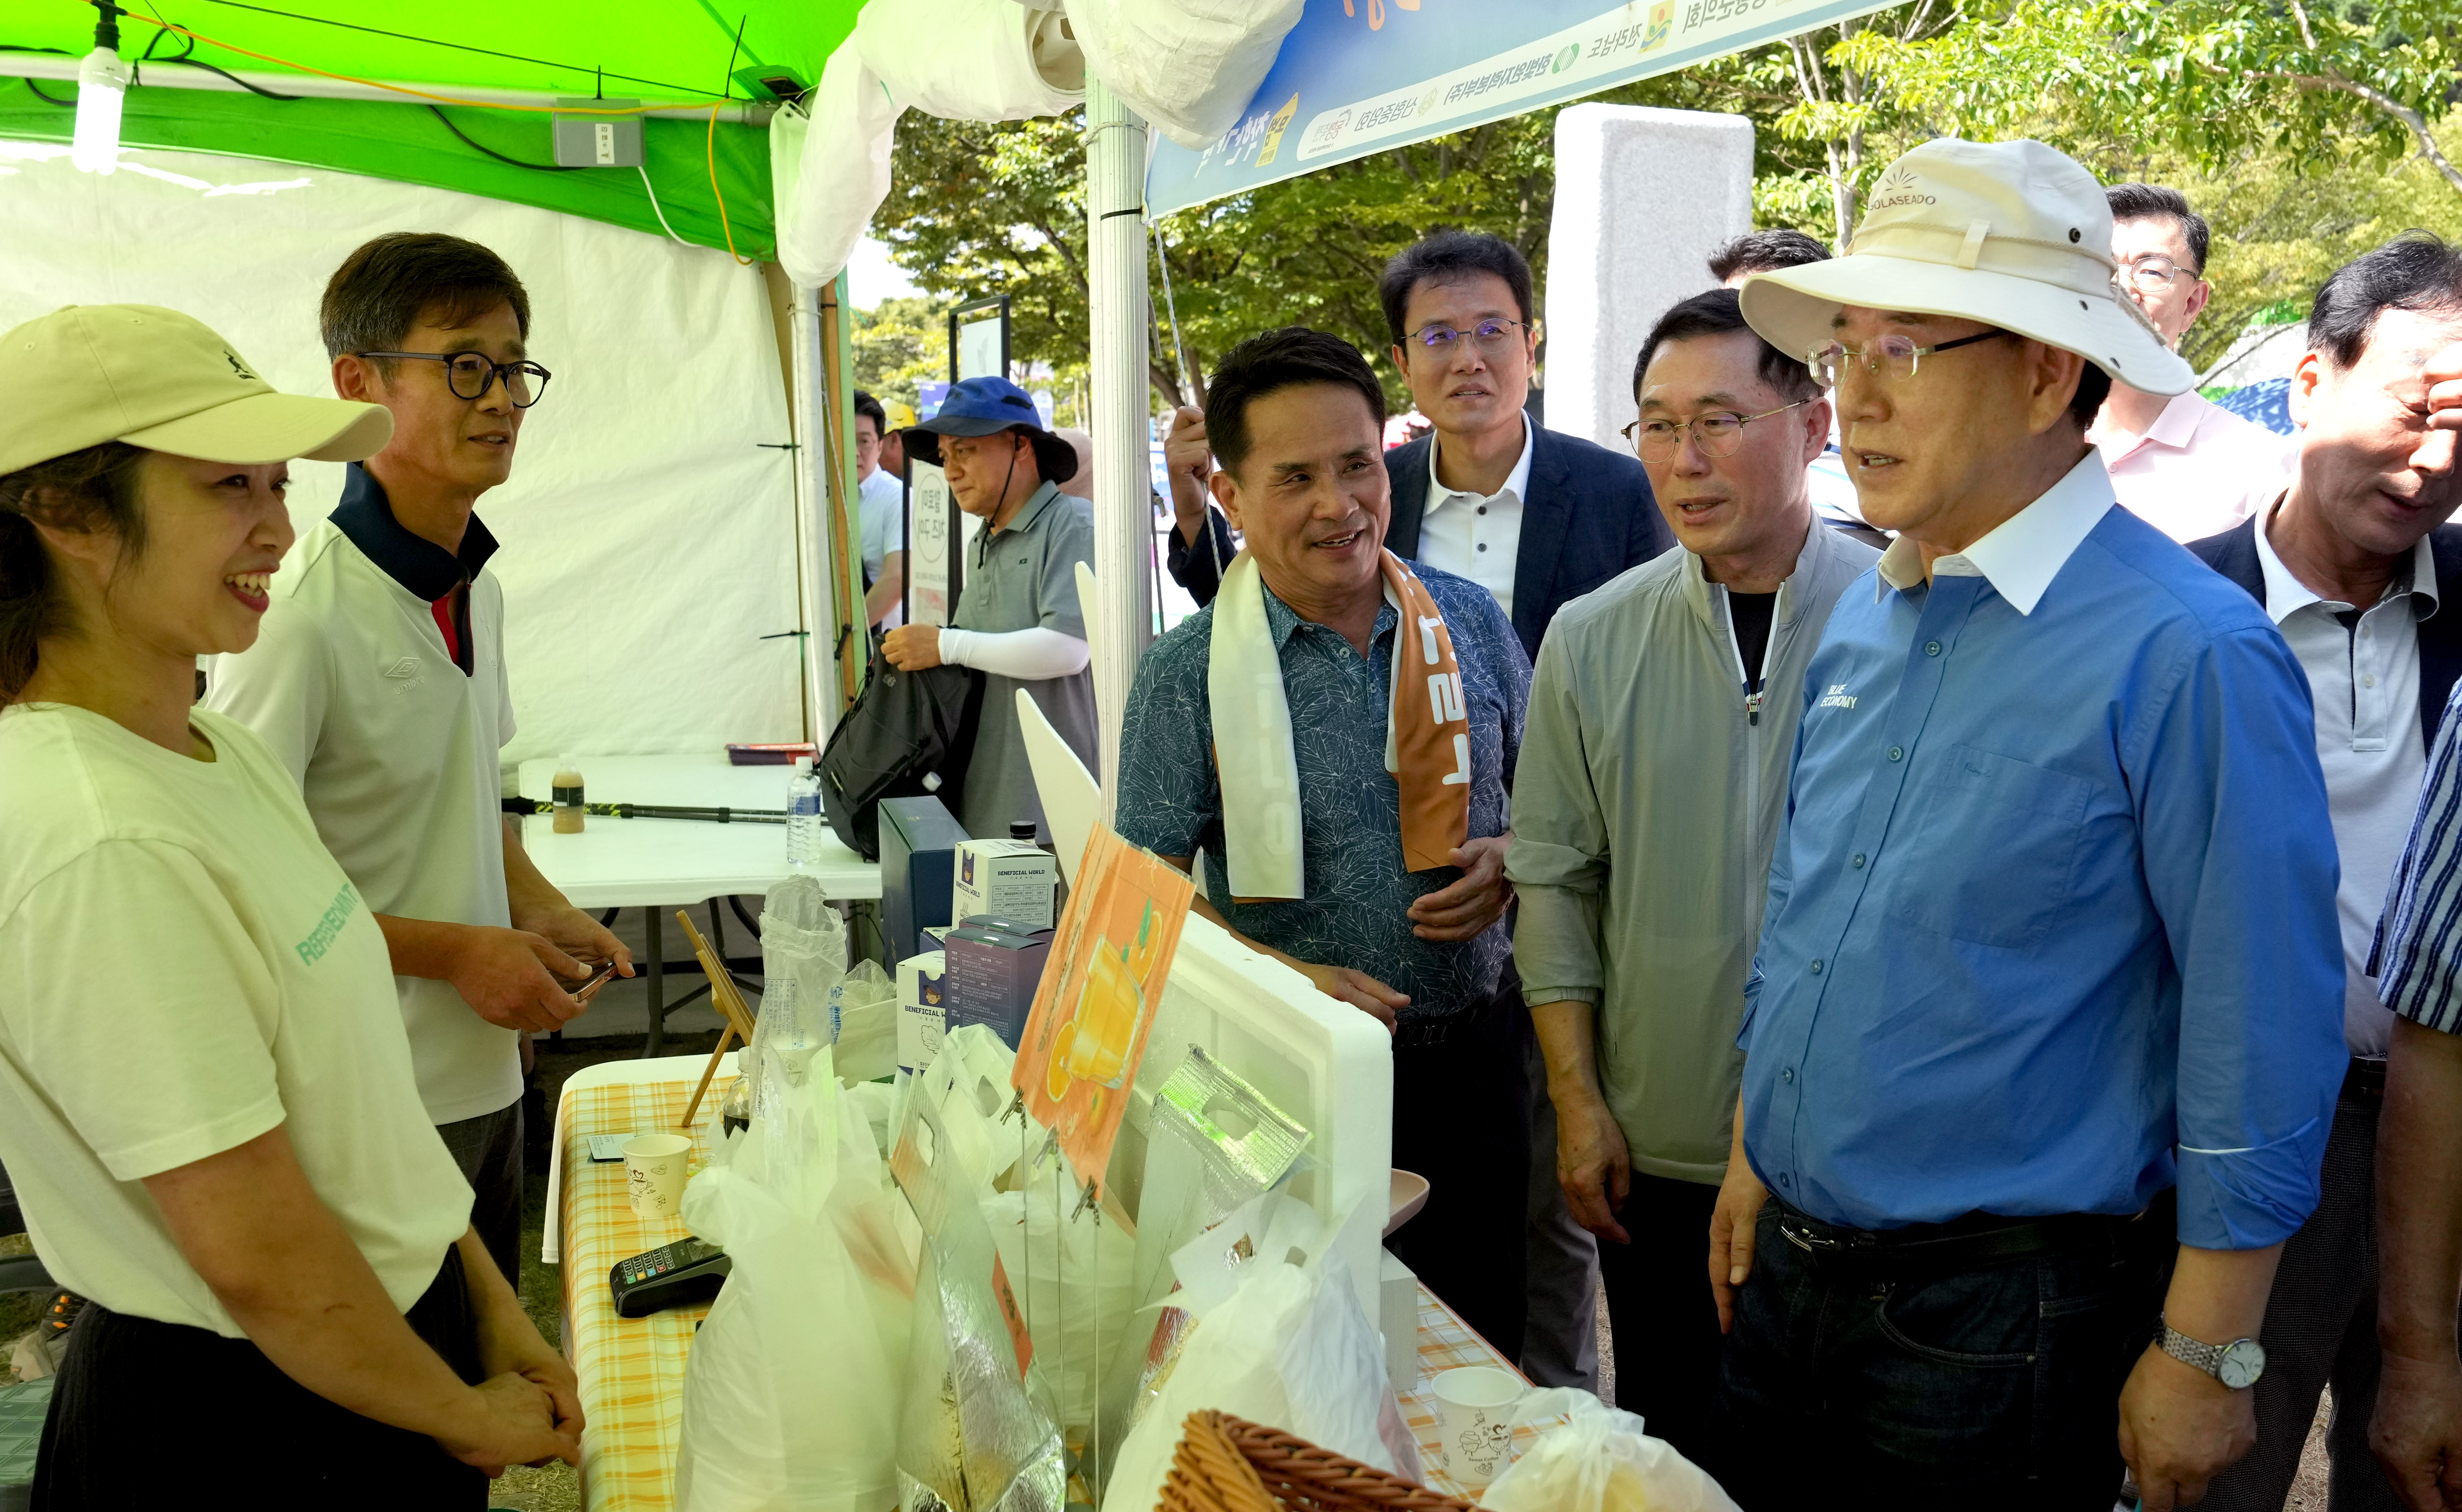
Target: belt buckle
pixel 1810 1244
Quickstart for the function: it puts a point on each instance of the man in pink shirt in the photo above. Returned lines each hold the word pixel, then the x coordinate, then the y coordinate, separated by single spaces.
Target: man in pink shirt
pixel 2182 464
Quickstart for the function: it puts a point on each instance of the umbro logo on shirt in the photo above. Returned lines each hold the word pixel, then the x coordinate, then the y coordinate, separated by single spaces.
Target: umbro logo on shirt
pixel 406 669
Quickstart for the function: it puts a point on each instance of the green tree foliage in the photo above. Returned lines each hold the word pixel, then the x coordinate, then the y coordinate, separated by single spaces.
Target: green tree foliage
pixel 2309 129
pixel 900 342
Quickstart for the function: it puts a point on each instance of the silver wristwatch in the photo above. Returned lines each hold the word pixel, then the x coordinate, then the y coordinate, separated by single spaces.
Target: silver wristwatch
pixel 2236 1365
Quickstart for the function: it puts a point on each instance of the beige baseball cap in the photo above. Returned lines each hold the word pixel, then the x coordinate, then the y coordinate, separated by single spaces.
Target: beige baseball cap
pixel 156 378
pixel 2011 233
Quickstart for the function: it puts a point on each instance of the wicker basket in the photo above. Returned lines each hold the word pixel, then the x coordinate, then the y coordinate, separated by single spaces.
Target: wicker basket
pixel 1226 1464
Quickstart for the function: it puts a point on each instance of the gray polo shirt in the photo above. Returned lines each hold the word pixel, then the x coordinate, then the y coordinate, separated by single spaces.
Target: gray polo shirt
pixel 1645 808
pixel 1018 578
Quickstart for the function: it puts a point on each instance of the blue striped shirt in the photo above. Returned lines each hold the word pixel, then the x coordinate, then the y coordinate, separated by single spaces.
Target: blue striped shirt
pixel 2052 927
pixel 2418 957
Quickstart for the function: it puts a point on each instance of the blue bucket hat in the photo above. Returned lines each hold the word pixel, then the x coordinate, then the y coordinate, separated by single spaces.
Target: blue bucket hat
pixel 985 407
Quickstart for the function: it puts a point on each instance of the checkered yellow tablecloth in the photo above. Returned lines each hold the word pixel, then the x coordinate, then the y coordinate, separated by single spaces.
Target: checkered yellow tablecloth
pixel 632 1370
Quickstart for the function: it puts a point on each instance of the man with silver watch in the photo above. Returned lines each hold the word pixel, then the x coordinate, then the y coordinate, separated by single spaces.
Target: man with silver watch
pixel 2236 1365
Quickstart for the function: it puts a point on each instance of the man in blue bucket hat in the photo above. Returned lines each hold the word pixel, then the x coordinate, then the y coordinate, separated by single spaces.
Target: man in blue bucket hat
pixel 1017 620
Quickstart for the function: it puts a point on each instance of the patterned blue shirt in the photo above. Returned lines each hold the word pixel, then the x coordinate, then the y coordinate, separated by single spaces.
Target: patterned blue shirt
pixel 2052 927
pixel 1355 912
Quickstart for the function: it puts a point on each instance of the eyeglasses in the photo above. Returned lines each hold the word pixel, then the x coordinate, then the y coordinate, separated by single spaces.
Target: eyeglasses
pixel 963 456
pixel 1897 357
pixel 469 374
pixel 2150 274
pixel 1490 335
pixel 1718 433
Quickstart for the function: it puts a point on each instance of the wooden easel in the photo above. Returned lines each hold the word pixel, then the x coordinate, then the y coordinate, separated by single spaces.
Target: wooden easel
pixel 730 1002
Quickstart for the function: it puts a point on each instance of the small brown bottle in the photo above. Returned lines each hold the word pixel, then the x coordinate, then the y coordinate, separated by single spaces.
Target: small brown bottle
pixel 567 792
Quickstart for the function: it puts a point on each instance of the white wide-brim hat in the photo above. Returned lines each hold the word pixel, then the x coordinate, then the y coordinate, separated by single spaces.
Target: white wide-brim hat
pixel 2010 233
pixel 156 378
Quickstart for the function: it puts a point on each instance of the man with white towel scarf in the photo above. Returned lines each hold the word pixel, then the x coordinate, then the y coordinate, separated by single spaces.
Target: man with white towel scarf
pixel 1345 777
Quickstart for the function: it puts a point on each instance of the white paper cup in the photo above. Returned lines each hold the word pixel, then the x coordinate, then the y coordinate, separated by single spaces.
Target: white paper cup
pixel 654 1169
pixel 1475 1421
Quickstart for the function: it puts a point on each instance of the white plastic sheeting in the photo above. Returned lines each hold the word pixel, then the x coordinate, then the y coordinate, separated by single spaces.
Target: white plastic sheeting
pixel 1188 65
pixel 648 540
pixel 958 60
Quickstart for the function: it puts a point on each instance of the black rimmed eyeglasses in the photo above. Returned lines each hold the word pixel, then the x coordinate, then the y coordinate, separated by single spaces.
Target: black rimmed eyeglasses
pixel 469 375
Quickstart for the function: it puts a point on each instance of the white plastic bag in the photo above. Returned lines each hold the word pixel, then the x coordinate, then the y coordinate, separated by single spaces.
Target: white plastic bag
pixel 1600 1461
pixel 793 1390
pixel 863 1023
pixel 1276 1343
pixel 1075 1275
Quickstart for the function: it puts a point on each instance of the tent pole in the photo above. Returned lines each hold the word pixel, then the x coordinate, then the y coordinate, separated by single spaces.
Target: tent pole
pixel 1118 313
pixel 849 645
pixel 816 675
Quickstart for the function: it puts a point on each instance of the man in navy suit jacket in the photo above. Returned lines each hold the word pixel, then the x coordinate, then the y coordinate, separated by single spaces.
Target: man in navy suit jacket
pixel 1536 517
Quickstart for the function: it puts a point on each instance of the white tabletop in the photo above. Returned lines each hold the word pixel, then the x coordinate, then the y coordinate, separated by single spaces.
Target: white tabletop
pixel 656 863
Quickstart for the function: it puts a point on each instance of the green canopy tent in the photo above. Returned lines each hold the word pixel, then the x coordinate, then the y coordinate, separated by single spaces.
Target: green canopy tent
pixel 467 104
pixel 687 59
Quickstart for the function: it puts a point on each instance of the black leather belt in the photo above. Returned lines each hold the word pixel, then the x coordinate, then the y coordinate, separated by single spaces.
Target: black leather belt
pixel 1964 1243
pixel 2365 1079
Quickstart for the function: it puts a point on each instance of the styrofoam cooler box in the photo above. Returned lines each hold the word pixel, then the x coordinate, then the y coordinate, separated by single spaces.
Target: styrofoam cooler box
pixel 1325 1063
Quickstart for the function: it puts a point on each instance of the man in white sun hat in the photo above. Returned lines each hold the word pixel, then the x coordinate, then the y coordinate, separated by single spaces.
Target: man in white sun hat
pixel 2051 976
pixel 207 1093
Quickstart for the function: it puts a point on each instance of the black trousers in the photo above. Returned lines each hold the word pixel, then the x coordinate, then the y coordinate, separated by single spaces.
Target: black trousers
pixel 488 1150
pixel 1996 1386
pixel 157 1415
pixel 1660 1310
pixel 1462 1118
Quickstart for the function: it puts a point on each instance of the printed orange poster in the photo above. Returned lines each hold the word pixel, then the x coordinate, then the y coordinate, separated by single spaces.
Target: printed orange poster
pixel 1077 1060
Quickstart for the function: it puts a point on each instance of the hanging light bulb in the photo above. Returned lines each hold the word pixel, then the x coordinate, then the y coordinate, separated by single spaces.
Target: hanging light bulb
pixel 103 87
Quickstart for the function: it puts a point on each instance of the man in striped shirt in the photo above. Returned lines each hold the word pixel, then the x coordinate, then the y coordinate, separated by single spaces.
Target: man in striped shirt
pixel 2417 1430
pixel 2355 565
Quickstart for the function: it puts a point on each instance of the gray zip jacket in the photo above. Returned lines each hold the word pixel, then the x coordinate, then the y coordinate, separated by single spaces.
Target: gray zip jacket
pixel 1651 783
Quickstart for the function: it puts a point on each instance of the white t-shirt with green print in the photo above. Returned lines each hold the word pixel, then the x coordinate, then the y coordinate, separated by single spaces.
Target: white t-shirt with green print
pixel 183 967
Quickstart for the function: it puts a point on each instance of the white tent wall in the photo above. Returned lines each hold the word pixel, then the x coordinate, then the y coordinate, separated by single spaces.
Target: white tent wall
pixel 648 539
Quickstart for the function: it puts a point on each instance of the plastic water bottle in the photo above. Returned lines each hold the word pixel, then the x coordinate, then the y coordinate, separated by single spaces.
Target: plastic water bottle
pixel 804 822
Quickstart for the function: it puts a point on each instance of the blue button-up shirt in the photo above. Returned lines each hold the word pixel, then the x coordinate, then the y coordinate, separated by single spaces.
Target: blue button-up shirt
pixel 2052 927
pixel 1355 909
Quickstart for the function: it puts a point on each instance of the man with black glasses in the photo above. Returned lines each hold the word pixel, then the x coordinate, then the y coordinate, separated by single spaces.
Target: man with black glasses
pixel 1661 725
pixel 2178 461
pixel 378 680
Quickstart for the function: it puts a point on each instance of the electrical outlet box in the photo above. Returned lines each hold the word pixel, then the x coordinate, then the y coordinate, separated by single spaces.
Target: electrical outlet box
pixel 596 140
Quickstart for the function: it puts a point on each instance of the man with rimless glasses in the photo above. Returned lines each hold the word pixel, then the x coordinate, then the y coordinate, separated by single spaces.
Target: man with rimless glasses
pixel 378 680
pixel 2181 463
pixel 2044 1034
pixel 1661 725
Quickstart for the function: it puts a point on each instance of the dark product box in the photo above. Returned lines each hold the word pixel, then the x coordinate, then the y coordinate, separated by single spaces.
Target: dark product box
pixel 994 965
pixel 919 854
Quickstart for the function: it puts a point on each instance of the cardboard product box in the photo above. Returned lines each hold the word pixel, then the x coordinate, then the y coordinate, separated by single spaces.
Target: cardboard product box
pixel 918 844
pixel 1010 878
pixel 922 1009
pixel 936 936
pixel 994 965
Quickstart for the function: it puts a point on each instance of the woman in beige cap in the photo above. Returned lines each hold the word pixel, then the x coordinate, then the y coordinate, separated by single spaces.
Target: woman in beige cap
pixel 206 1093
